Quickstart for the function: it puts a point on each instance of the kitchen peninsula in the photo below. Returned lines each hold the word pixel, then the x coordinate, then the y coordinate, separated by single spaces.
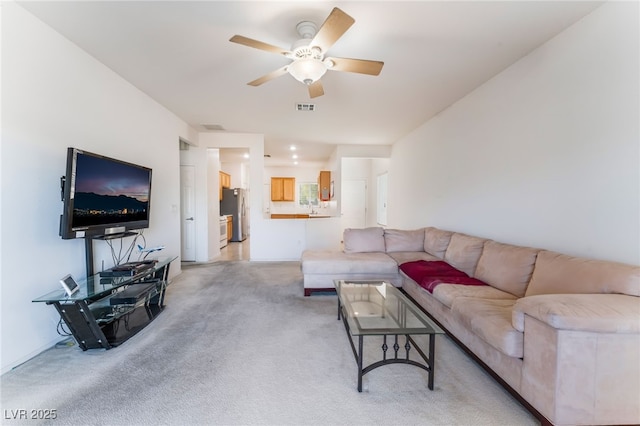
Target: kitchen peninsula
pixel 298 216
pixel 294 235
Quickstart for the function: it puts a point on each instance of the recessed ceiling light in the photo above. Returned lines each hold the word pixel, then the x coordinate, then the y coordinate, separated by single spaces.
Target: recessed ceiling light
pixel 295 162
pixel 294 156
pixel 292 147
pixel 246 155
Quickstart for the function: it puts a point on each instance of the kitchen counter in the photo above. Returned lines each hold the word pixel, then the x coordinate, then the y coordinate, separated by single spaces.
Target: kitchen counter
pixel 293 236
pixel 297 216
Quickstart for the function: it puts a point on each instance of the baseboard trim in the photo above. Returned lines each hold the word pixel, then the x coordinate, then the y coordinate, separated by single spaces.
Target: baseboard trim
pixel 308 291
pixel 17 363
pixel 543 420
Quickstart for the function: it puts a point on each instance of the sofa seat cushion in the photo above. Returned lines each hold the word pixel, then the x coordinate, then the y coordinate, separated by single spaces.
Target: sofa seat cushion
pixel 599 313
pixel 334 262
pixel 446 294
pixel 411 256
pixel 490 320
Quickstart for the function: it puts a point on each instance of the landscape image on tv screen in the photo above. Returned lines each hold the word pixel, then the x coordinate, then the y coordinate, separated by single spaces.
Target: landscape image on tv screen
pixel 109 192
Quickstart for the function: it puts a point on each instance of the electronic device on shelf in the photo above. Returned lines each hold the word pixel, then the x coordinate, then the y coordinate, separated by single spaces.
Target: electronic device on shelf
pixel 131 294
pixel 69 284
pixel 103 197
pixel 128 269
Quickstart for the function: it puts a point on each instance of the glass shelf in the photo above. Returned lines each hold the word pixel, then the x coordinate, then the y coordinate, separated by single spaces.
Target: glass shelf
pixel 97 287
pixel 98 320
pixel 104 311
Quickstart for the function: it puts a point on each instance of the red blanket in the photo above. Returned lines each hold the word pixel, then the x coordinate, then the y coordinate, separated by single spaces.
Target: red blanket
pixel 429 283
pixel 428 274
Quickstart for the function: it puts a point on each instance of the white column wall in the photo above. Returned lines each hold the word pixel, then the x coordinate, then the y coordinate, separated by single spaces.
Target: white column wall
pixel 54 95
pixel 545 154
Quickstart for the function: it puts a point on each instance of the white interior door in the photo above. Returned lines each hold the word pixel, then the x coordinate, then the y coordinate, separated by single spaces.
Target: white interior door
pixel 382 200
pixel 354 204
pixel 187 213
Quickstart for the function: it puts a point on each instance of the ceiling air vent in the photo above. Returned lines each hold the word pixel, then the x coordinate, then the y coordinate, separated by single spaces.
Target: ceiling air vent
pixel 213 127
pixel 305 107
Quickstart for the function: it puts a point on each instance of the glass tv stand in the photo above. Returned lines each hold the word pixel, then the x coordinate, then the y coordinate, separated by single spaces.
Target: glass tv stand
pixel 106 311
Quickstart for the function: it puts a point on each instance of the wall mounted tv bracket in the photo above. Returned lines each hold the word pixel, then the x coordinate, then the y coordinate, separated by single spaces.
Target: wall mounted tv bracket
pixel 63 179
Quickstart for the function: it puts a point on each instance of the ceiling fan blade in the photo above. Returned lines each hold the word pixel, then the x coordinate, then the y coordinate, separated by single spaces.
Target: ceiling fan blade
pixel 258 45
pixel 315 89
pixel 336 24
pixel 360 66
pixel 273 74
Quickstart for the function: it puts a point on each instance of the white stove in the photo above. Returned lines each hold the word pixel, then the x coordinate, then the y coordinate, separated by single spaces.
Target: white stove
pixel 223 231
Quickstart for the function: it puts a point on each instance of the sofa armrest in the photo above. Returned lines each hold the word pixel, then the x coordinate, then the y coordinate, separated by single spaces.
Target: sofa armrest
pixel 602 313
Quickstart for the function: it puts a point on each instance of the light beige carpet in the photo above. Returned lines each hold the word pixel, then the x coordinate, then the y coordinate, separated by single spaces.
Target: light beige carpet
pixel 238 344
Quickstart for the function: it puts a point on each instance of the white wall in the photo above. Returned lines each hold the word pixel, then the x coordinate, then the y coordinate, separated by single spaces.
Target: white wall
pixel 54 96
pixel 545 154
pixel 213 201
pixel 366 169
pixel 379 166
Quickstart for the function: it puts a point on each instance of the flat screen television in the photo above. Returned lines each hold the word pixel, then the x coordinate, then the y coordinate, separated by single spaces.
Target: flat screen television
pixel 103 196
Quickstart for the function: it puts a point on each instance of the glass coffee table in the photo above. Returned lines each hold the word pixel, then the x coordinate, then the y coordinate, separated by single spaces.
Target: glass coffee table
pixel 377 308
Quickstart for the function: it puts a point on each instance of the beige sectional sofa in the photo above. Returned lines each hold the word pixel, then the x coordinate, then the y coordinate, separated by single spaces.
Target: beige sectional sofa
pixel 562 332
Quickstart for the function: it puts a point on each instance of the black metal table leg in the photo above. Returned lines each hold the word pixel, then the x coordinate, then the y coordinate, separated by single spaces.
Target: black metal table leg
pixel 431 359
pixel 360 346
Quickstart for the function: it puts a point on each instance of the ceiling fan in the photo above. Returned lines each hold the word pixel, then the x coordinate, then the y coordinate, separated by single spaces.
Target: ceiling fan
pixel 308 54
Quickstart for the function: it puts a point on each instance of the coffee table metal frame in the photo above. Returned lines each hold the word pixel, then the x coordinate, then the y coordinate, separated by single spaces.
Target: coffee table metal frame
pixel 388 313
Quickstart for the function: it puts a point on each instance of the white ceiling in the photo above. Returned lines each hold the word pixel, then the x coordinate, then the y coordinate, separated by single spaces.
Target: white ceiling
pixel 434 52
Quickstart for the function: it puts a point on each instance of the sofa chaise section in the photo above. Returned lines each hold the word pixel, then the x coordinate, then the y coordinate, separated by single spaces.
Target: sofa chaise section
pixel 561 332
pixel 320 268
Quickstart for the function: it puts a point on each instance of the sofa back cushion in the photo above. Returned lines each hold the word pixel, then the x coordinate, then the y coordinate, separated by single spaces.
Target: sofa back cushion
pixel 506 267
pixel 464 252
pixel 400 240
pixel 363 240
pixel 436 241
pixel 556 273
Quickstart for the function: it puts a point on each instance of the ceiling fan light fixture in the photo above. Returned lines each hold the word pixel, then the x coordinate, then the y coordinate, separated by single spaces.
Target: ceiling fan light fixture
pixel 308 53
pixel 307 70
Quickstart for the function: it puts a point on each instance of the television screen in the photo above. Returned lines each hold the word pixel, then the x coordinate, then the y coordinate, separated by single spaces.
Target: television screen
pixel 103 196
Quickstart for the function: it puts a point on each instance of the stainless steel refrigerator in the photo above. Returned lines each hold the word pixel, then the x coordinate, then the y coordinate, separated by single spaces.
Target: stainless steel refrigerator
pixel 234 203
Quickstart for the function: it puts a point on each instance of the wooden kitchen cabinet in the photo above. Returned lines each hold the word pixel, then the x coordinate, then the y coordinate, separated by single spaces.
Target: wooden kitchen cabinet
pixel 225 181
pixel 229 227
pixel 324 186
pixel 283 189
